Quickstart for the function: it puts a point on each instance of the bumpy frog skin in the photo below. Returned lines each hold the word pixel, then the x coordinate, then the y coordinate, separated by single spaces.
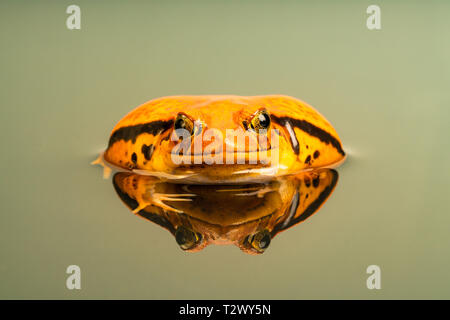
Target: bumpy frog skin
pixel 247 215
pixel 142 141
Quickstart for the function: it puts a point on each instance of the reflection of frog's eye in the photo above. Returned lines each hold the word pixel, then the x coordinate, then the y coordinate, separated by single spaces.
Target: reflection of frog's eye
pixel 186 238
pixel 183 122
pixel 260 121
pixel 260 241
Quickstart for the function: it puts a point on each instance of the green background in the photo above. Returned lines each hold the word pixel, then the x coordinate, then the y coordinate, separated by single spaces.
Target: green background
pixel 386 92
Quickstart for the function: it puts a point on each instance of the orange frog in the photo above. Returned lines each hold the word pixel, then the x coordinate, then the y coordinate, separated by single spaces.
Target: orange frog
pixel 270 136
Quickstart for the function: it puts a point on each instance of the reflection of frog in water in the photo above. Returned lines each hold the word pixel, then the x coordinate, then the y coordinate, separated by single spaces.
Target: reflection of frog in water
pixel 248 216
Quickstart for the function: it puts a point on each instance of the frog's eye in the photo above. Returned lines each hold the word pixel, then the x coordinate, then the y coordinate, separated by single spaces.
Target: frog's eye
pixel 260 121
pixel 260 241
pixel 183 122
pixel 187 239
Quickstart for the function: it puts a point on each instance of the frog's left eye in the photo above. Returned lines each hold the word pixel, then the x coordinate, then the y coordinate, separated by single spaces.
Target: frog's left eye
pixel 187 239
pixel 260 241
pixel 183 122
pixel 260 121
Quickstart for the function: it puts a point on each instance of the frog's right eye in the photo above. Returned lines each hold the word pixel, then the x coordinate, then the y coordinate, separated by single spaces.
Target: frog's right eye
pixel 260 121
pixel 183 122
pixel 187 239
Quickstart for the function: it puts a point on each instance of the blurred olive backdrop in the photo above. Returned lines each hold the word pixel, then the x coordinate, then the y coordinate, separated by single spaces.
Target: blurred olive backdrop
pixel 386 92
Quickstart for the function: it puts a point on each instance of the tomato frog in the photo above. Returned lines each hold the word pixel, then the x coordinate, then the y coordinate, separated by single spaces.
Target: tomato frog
pixel 247 215
pixel 281 135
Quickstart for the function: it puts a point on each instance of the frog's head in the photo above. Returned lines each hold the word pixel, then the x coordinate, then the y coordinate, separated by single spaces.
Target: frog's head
pixel 217 138
pixel 223 137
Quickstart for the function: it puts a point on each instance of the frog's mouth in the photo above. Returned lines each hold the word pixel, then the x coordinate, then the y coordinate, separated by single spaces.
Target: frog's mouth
pixel 265 157
pixel 241 145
